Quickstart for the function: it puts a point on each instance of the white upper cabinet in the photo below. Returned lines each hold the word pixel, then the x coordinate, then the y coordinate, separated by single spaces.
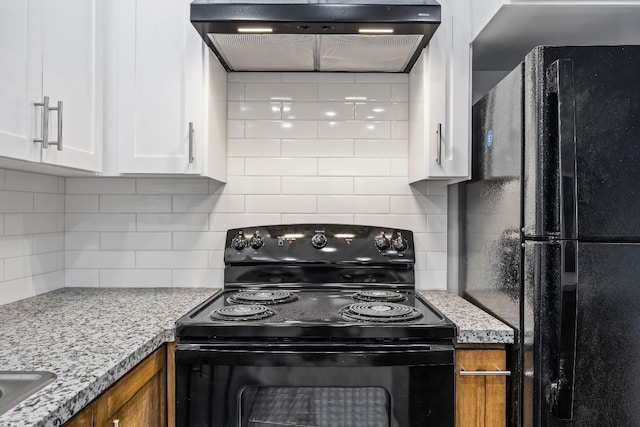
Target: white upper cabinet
pixel 51 49
pixel 72 73
pixel 439 100
pixel 163 87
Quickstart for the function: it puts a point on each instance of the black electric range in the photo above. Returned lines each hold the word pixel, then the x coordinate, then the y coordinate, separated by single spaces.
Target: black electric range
pixel 317 325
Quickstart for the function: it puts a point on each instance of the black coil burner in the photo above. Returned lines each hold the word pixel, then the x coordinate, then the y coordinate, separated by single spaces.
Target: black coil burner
pixel 379 312
pixel 378 295
pixel 242 312
pixel 267 297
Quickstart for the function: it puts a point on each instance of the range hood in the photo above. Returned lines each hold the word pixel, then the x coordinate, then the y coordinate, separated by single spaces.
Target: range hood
pixel 331 36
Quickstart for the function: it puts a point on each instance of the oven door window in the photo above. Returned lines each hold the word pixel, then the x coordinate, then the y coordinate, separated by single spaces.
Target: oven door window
pixel 381 387
pixel 314 406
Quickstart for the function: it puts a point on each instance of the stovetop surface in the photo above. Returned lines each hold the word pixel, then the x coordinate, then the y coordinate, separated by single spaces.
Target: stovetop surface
pixel 315 314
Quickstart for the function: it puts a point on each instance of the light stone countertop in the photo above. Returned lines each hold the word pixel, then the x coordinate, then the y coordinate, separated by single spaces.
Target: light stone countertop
pixel 475 326
pixel 90 337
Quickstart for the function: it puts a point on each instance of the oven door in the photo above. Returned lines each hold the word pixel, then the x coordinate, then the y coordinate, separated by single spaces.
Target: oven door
pixel 320 385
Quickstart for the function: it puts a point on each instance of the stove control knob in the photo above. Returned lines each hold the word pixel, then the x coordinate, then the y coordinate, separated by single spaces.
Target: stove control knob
pixel 399 244
pixel 256 241
pixel 382 243
pixel 239 242
pixel 319 241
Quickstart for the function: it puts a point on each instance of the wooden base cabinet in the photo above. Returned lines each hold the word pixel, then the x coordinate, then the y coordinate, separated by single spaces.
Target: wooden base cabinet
pixel 481 388
pixel 139 399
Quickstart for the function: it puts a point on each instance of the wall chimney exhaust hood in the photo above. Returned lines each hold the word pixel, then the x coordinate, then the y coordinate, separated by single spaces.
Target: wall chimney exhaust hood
pixel 316 35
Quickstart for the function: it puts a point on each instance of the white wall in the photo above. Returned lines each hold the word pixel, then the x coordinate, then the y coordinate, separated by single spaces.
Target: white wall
pixel 31 234
pixel 289 162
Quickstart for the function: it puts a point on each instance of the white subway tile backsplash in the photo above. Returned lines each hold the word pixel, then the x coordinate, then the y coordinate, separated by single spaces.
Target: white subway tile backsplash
pixel 2 172
pixel 354 129
pixel 419 204
pixel 223 222
pixel 382 78
pixel 100 222
pixel 201 278
pixel 235 166
pixel 82 278
pixel 281 166
pixel 81 240
pixel 242 185
pixel 18 267
pixel 431 242
pixel 16 202
pixel 318 111
pixel 172 222
pixel 400 129
pixel 381 148
pixel 381 111
pixel 317 148
pixel 14 290
pixel 171 259
pixel 15 224
pixel 48 282
pixel 208 204
pixel 235 128
pixel 12 246
pixel 30 182
pixel 318 218
pixel 252 147
pixel 82 204
pixel 400 92
pixel 399 167
pixel 172 186
pixel 100 259
pixel 354 92
pixel 416 223
pixel 253 77
pixel 235 91
pixel 1 224
pixel 241 110
pixel 382 185
pixel 436 261
pixel 49 203
pixel 437 223
pixel 127 241
pixel 135 203
pixel 216 259
pixel 281 91
pixel 317 185
pixel 318 78
pixel 281 129
pixel 278 204
pixel 101 186
pixel 50 242
pixel 353 204
pixel 353 167
pixel 138 278
pixel 207 241
pixel 432 280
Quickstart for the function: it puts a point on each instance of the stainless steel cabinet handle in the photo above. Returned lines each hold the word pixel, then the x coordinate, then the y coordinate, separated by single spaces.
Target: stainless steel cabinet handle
pixel 45 123
pixel 497 372
pixel 439 144
pixel 116 423
pixel 191 156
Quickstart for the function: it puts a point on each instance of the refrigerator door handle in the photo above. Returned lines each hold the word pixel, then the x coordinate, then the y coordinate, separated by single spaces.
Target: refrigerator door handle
pixel 562 389
pixel 560 74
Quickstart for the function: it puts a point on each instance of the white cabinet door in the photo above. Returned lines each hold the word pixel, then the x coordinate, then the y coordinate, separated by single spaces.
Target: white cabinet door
pixel 159 88
pixel 72 73
pixel 20 79
pixel 439 101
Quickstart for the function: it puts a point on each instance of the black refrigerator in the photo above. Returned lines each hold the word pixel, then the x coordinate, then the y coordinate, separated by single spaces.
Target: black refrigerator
pixel 550 232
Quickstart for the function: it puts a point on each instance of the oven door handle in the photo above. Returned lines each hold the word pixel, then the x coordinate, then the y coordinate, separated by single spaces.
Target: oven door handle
pixel 267 354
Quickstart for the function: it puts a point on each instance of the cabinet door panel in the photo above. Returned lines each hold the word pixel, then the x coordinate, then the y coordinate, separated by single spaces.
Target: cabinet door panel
pixel 72 74
pixel 153 129
pixel 20 78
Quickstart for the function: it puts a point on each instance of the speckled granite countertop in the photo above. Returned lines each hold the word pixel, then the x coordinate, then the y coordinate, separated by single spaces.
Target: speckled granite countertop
pixel 89 338
pixel 475 326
